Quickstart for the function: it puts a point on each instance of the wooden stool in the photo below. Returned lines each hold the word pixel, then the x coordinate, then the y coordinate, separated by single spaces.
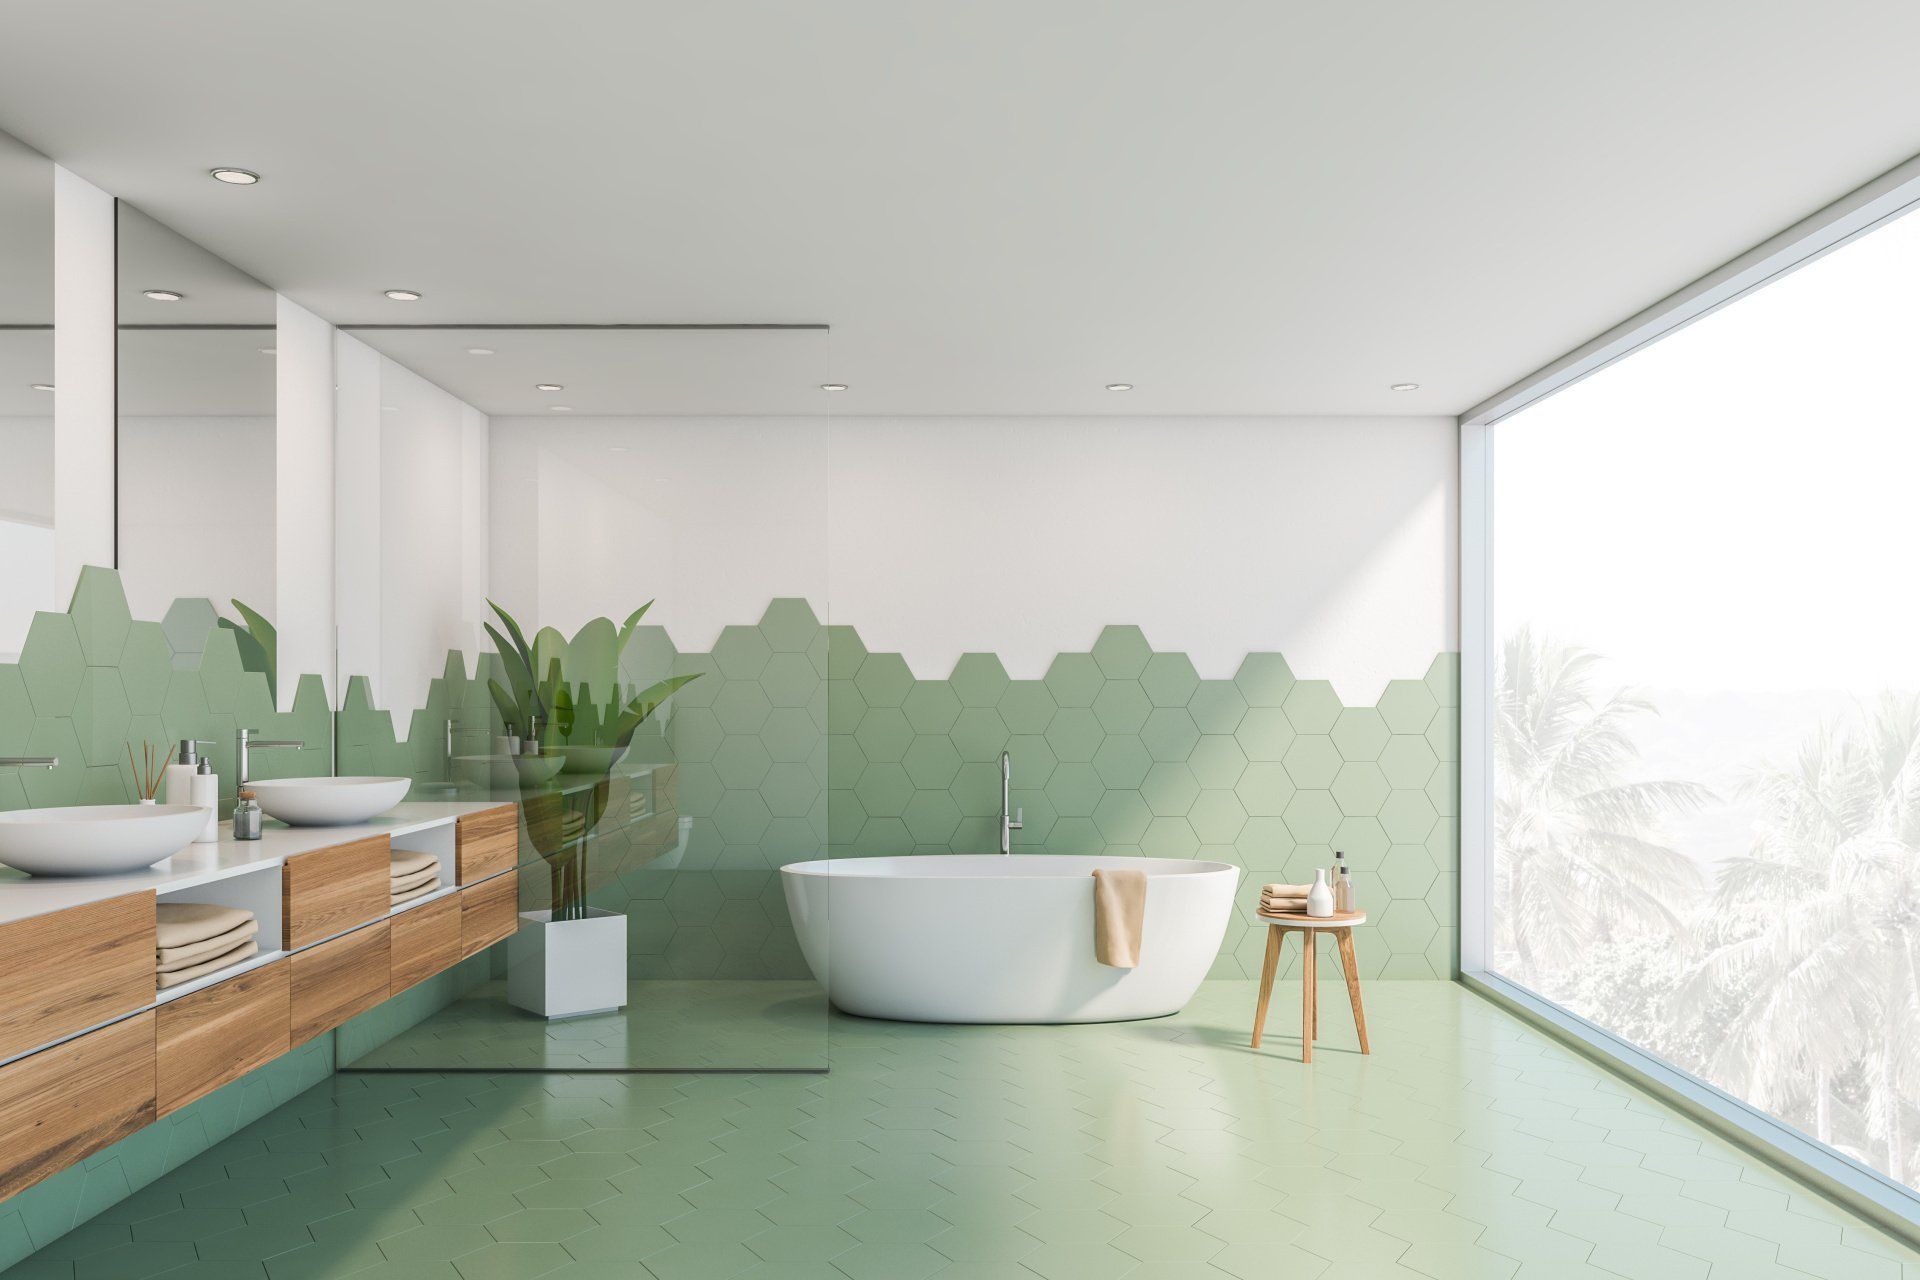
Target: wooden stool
pixel 1309 928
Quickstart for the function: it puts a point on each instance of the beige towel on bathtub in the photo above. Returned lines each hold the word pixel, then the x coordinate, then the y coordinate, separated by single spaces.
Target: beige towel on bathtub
pixel 1119 909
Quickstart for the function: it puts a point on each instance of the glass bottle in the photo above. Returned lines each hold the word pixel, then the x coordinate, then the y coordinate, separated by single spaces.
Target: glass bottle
pixel 246 817
pixel 1342 886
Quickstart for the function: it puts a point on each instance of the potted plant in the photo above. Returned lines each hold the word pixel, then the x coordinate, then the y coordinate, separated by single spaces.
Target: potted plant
pixel 571 959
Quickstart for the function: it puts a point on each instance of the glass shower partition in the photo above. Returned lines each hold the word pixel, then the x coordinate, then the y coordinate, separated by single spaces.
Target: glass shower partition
pixel 663 737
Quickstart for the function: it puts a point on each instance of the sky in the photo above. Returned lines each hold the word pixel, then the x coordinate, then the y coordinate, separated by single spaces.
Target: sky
pixel 1732 508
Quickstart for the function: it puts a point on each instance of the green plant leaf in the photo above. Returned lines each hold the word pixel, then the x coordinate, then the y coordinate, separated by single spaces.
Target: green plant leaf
pixel 259 645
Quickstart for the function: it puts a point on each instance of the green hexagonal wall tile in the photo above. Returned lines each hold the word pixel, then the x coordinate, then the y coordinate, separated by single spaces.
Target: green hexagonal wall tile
pixel 741 706
pixel 742 817
pixel 845 652
pixel 884 734
pixel 931 706
pixel 790 680
pixel 1122 762
pixel 791 734
pixel 1027 706
pixel 1407 761
pixel 1122 652
pixel 51 663
pixel 932 762
pixel 102 720
pixel 1075 734
pixel 1074 789
pixel 979 734
pixel 696 733
pixel 884 680
pixel 1312 761
pixel 1265 733
pixel 1169 679
pixel 1217 706
pixel 789 625
pixel 1313 817
pixel 1217 760
pixel 16 711
pixel 1169 790
pixel 1217 817
pixel 1360 733
pixel 1313 707
pixel 1074 680
pixel 741 653
pixel 1122 817
pixel 1122 707
pixel 1359 787
pixel 1264 679
pixel 742 762
pixel 790 790
pixel 1408 817
pixel 1169 837
pixel 884 790
pixel 1170 734
pixel 1264 788
pixel 1408 706
pixel 1033 760
pixel 187 624
pixel 976 790
pixel 978 679
pixel 100 616
pixel 931 817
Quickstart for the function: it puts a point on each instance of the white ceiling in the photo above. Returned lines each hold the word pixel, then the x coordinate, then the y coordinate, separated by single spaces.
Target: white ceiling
pixel 1250 207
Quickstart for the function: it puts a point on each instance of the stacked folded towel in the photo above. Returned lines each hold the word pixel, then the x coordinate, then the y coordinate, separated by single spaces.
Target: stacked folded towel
pixel 412 875
pixel 196 938
pixel 1284 899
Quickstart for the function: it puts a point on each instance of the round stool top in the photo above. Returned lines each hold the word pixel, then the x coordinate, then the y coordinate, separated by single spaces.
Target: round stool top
pixel 1300 920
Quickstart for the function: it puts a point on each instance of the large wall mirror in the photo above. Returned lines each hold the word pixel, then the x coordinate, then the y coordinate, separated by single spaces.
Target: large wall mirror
pixel 26 391
pixel 196 424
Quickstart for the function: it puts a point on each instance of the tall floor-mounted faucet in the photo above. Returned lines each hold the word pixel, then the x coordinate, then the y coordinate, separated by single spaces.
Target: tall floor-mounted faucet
pixel 1010 818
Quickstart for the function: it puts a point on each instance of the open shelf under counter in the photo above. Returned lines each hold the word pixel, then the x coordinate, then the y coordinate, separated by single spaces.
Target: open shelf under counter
pixel 425 824
pixel 259 959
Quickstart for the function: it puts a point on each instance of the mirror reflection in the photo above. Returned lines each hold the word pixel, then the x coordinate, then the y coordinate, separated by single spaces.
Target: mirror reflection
pixel 196 424
pixel 26 391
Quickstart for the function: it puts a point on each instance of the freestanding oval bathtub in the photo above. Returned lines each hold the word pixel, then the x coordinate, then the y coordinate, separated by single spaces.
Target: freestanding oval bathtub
pixel 984 938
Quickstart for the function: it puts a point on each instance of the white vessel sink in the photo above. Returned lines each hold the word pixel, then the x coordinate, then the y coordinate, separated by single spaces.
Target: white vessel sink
pixel 328 802
pixel 96 839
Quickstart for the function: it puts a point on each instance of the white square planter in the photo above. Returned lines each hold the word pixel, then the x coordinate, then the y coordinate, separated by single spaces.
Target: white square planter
pixel 565 968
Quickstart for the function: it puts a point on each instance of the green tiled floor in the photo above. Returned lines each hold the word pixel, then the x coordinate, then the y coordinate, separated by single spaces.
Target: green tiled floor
pixel 667 1025
pixel 1467 1146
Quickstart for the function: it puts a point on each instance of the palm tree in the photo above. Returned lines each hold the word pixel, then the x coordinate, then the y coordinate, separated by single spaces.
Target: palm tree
pixel 1816 927
pixel 1577 856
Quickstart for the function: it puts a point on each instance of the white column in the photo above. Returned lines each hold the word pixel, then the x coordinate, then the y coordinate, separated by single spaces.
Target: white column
pixel 475 485
pixel 83 373
pixel 303 496
pixel 356 527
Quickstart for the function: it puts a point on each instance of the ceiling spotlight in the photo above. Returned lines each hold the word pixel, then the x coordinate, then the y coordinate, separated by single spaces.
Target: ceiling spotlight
pixel 235 177
pixel 833 386
pixel 479 351
pixel 616 448
pixel 1119 386
pixel 389 408
pixel 561 408
pixel 269 351
pixel 403 295
pixel 43 386
pixel 548 386
pixel 164 295
pixel 1404 386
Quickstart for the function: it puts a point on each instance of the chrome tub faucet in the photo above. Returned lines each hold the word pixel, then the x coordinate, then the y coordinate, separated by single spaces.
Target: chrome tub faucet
pixel 1010 818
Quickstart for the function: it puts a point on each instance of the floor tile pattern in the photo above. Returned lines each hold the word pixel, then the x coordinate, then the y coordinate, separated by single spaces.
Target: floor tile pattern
pixel 1468 1145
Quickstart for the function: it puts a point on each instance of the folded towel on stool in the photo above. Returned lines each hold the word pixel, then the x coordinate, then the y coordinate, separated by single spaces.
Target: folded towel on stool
pixel 406 862
pixel 400 884
pixel 1119 910
pixel 172 958
pixel 1285 890
pixel 184 923
pixel 410 894
pixel 234 956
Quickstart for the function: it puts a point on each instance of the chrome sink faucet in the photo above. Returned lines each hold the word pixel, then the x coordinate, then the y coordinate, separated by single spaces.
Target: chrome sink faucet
pixel 245 743
pixel 1011 820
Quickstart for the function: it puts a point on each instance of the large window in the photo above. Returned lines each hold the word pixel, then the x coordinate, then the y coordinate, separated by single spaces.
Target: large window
pixel 1705 699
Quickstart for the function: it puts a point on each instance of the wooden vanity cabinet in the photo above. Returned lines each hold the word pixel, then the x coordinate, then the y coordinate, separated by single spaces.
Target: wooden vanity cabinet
pixel 68 970
pixel 486 843
pixel 59 1106
pixel 330 891
pixel 425 941
pixel 337 980
pixel 489 913
pixel 219 1033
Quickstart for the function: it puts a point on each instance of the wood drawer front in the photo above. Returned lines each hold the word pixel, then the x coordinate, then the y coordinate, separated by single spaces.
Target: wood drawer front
pixel 426 940
pixel 220 1033
pixel 486 843
pixel 330 891
pixel 65 971
pixel 489 912
pixel 336 980
pixel 59 1106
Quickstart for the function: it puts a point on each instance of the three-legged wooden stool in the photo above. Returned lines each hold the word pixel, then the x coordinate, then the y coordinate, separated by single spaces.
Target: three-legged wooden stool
pixel 1309 928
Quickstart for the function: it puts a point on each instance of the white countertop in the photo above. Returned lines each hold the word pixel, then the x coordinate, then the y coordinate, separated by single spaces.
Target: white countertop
pixel 22 895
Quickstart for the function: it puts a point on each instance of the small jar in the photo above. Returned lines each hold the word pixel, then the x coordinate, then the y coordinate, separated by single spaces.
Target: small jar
pixel 246 818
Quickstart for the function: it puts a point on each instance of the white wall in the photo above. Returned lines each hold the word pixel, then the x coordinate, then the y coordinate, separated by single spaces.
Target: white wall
pixel 197 512
pixel 1329 539
pixel 27 551
pixel 303 542
pixel 411 532
pixel 83 375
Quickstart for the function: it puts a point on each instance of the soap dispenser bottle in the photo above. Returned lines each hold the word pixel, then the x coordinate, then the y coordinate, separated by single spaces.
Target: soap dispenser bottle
pixel 176 783
pixel 1342 886
pixel 206 794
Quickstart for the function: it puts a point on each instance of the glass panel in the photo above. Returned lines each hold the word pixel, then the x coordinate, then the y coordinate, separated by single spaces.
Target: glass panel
pixel 196 424
pixel 26 392
pixel 664 735
pixel 1708 699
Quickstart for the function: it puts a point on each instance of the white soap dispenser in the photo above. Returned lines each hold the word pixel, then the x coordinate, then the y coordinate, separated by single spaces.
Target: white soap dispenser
pixel 206 793
pixel 176 783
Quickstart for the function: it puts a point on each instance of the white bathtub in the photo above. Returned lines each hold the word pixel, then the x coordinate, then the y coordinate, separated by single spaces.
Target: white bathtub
pixel 983 938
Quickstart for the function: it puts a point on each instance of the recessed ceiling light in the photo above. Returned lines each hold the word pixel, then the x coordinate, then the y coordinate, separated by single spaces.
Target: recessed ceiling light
pixel 164 295
pixel 269 351
pixel 1119 386
pixel 833 386
pixel 479 351
pixel 548 386
pixel 43 386
pixel 1404 386
pixel 389 408
pixel 616 448
pixel 235 177
pixel 561 408
pixel 403 295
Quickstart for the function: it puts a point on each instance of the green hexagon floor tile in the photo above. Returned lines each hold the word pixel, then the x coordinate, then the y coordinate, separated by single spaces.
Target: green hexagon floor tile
pixel 1467 1145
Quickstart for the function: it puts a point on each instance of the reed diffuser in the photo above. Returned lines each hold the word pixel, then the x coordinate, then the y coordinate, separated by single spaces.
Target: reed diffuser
pixel 148 771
